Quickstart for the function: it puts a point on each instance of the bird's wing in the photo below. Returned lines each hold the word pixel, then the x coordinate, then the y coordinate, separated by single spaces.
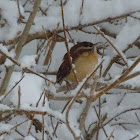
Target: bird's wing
pixel 63 71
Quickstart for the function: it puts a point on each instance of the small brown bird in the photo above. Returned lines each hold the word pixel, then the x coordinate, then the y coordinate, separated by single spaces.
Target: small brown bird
pixel 84 57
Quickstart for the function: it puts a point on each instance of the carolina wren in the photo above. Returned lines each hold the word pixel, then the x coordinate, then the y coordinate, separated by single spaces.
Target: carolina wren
pixel 84 57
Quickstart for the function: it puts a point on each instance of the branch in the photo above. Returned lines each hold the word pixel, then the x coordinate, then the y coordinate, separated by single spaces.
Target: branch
pixel 42 35
pixel 118 81
pixel 20 45
pixel 37 35
pixel 74 99
pixel 87 107
pixel 101 86
pixel 125 111
pixel 100 21
pixel 63 98
pixel 102 34
pixel 26 69
pixel 66 43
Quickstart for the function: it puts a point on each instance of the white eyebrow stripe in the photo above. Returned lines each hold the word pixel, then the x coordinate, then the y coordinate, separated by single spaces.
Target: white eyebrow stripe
pixel 83 48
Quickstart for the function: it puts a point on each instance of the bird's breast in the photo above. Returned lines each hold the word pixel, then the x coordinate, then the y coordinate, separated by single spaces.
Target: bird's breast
pixel 84 65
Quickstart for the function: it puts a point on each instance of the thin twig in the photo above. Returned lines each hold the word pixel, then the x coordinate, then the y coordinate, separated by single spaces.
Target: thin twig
pixel 54 133
pixel 62 98
pixel 11 89
pixel 127 110
pixel 100 124
pixel 81 9
pixel 72 40
pixel 40 98
pixel 134 137
pixel 49 40
pixel 19 95
pixel 26 69
pixel 102 58
pixel 66 43
pixel 95 129
pixel 43 127
pixel 102 34
pixel 40 76
pixel 5 132
pixel 111 135
pixel 110 65
pixel 32 120
pixel 137 117
pixel 20 15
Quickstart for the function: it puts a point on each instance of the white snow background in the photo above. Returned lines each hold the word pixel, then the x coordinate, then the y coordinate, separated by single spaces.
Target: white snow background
pixel 124 127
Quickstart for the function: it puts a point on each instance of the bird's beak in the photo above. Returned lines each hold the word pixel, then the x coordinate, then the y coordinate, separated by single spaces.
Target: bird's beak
pixel 99 44
pixel 96 45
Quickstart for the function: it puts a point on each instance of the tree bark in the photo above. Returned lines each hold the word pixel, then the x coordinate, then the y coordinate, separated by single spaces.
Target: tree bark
pixel 19 46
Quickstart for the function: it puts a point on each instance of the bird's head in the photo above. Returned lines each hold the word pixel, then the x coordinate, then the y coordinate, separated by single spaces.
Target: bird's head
pixel 82 48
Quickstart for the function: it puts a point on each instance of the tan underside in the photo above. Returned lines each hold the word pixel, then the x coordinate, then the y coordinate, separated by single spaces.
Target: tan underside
pixel 84 65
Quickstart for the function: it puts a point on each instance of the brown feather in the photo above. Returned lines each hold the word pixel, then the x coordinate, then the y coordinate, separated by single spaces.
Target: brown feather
pixel 76 51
